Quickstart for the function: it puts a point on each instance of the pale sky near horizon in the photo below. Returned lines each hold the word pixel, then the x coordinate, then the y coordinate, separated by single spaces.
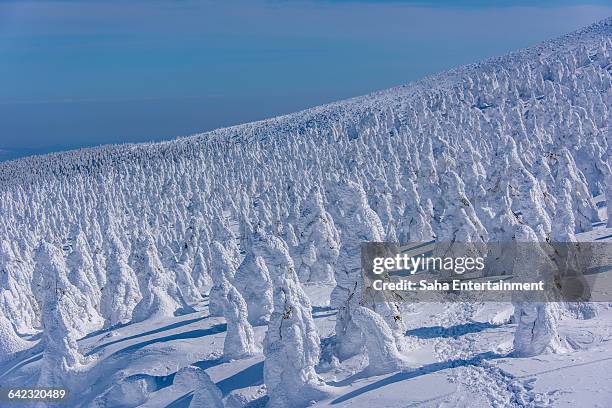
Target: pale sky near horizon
pixel 87 72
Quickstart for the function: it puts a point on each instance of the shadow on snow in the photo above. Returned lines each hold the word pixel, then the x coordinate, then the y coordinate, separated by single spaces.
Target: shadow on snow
pixel 148 333
pixel 192 334
pixel 407 375
pixel 452 331
pixel 250 376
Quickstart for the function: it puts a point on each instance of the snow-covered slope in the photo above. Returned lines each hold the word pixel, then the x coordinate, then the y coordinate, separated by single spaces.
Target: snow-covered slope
pixel 106 253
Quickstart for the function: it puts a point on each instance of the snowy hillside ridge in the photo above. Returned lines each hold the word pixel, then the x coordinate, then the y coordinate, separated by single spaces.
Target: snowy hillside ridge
pixel 224 269
pixel 297 123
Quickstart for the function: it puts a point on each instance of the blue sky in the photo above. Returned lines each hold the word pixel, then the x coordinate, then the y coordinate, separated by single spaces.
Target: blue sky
pixel 80 73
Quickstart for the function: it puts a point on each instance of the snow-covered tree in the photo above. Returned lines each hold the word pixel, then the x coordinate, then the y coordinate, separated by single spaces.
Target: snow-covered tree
pixel 567 254
pixel 205 393
pixel 536 330
pixel 239 338
pixel 16 303
pixel 10 342
pixel 291 345
pixel 609 199
pixel 414 225
pixel 319 241
pixel 61 355
pixel 252 280
pixel 501 248
pixel 222 269
pixel 529 202
pixel 121 293
pixel 82 270
pixel 585 211
pixel 185 265
pixel 161 296
pixel 200 274
pixel 564 223
pixel 461 233
pixel 380 343
pixel 222 232
pixel 360 224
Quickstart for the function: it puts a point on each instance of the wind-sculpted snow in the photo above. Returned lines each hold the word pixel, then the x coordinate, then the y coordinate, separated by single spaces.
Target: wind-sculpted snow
pixel 133 232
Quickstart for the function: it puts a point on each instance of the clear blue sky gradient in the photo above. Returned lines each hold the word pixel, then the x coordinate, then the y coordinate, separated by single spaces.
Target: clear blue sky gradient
pixel 80 73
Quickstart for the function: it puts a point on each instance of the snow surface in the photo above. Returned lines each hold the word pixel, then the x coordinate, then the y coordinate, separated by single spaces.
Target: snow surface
pixel 107 255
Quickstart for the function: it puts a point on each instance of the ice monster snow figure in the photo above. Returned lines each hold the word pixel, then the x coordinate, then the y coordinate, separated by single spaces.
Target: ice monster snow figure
pixel 161 296
pixel 319 241
pixel 239 339
pixel 222 268
pixel 359 224
pixel 121 293
pixel 252 279
pixel 291 345
pixel 536 331
pixel 60 307
pixel 10 342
